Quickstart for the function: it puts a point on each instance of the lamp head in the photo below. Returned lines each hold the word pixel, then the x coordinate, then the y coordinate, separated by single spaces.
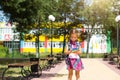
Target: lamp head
pixel 51 17
pixel 117 19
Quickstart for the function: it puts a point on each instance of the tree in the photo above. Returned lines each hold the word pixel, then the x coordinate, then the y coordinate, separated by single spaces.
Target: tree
pixel 28 14
pixel 102 12
pixel 69 11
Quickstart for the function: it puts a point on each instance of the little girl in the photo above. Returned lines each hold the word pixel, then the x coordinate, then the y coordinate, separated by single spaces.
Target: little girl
pixel 73 60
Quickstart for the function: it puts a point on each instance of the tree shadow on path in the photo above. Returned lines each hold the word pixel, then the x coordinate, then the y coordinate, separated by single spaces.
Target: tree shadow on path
pixel 48 76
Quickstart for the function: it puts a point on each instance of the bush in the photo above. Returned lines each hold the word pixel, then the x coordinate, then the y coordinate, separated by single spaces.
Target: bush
pixel 3 51
pixel 92 55
pixel 114 50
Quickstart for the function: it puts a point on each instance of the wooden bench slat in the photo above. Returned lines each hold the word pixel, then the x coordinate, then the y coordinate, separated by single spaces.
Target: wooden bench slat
pixel 22 64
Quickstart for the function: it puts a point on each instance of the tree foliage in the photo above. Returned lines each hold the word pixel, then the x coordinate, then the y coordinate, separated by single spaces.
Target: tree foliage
pixel 26 12
pixel 102 12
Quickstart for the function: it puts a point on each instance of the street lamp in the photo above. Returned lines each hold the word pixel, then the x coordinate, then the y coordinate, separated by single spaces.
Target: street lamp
pixel 13 42
pixel 117 19
pixel 37 34
pixel 51 18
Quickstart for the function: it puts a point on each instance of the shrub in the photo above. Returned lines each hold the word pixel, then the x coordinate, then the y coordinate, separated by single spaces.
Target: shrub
pixel 92 55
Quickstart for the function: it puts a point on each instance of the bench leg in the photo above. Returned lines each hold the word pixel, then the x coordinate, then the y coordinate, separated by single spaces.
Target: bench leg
pixel 4 73
pixel 25 73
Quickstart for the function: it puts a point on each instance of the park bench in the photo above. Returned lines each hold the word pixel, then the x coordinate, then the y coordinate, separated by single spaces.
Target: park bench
pixel 109 57
pixel 118 62
pixel 33 68
pixel 59 57
pixel 106 57
pixel 113 58
pixel 50 60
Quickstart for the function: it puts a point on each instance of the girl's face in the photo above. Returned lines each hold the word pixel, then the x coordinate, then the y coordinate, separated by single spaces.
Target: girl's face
pixel 73 37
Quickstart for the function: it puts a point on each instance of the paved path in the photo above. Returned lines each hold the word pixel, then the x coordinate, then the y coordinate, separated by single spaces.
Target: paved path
pixel 95 69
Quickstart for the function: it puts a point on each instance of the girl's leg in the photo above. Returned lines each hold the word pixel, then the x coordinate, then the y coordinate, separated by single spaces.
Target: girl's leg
pixel 70 74
pixel 77 74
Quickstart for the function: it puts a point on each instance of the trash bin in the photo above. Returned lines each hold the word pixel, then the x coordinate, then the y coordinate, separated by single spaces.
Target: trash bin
pixel 34 68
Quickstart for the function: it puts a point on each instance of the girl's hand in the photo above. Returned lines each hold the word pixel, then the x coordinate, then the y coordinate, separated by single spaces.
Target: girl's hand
pixel 68 52
pixel 77 52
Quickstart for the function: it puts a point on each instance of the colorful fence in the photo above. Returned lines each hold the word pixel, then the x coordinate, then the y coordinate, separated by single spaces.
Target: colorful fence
pixel 98 44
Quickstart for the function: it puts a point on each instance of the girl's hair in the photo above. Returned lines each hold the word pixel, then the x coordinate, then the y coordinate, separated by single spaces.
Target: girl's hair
pixel 74 31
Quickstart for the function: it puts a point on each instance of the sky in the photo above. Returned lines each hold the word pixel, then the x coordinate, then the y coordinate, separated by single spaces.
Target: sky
pixel 88 2
pixel 2 17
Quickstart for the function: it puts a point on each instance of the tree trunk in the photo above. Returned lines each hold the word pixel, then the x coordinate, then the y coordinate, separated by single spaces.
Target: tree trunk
pixel 87 52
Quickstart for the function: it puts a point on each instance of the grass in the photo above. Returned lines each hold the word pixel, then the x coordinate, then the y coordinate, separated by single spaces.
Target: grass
pixel 92 55
pixel 31 55
pixel 4 53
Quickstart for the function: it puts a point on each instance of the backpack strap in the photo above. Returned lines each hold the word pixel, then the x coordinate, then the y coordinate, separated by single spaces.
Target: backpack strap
pixel 70 47
pixel 77 44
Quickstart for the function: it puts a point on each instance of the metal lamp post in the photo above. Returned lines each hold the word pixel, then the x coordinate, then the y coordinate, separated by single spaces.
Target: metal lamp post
pixel 51 18
pixel 36 33
pixel 117 19
pixel 13 43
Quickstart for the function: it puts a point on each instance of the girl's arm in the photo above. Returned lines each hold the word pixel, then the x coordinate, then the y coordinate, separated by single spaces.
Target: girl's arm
pixel 78 51
pixel 66 50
